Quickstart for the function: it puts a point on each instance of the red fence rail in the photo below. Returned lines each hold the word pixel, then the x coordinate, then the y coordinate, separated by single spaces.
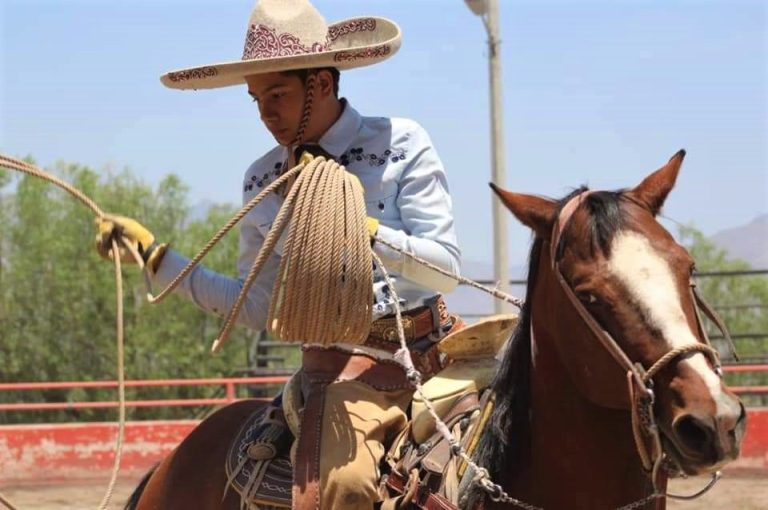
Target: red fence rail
pixel 229 384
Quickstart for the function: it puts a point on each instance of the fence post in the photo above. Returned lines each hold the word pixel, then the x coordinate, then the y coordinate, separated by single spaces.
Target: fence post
pixel 230 391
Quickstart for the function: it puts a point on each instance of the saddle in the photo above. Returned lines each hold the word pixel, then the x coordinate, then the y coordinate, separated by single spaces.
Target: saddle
pixel 419 471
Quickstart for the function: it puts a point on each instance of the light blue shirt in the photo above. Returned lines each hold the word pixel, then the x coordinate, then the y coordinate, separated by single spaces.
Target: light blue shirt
pixel 405 189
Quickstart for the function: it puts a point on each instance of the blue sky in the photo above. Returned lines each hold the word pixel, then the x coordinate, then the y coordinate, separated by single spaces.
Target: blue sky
pixel 595 92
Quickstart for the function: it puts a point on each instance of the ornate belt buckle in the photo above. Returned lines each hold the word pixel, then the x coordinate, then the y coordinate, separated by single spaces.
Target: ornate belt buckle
pixel 409 328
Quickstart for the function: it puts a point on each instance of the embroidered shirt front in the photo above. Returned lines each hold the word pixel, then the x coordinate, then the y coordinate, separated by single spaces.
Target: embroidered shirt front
pixel 405 189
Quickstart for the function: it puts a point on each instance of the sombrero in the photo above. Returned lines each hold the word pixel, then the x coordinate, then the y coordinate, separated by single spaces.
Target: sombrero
pixel 291 34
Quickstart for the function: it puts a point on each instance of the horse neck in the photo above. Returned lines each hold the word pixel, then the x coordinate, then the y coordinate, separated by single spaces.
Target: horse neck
pixel 582 455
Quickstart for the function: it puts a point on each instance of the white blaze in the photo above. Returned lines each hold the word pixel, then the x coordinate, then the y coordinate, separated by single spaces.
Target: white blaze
pixel 648 278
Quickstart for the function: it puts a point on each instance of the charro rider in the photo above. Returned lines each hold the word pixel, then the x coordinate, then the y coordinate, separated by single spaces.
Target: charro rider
pixel 355 396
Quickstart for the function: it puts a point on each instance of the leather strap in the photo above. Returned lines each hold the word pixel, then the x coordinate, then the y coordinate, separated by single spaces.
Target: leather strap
pixel 323 366
pixel 417 323
pixel 306 470
pixel 424 499
pixel 330 364
pixel 714 317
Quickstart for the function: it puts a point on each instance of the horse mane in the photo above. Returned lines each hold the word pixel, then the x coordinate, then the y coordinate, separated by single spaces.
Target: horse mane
pixel 501 443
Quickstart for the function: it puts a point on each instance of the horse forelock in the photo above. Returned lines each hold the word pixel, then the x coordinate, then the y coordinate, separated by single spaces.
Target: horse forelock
pixel 605 216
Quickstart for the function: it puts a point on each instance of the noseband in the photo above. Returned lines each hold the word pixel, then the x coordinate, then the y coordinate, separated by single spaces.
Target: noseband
pixel 639 379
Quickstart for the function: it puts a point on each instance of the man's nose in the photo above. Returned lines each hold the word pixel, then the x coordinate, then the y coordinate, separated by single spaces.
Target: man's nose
pixel 267 113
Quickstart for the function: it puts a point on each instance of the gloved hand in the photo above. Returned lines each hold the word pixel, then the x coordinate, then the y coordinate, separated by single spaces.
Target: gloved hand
pixel 373 226
pixel 372 223
pixel 131 232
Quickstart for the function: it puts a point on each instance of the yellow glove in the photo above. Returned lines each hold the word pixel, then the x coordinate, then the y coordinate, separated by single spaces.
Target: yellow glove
pixel 371 223
pixel 373 226
pixel 131 232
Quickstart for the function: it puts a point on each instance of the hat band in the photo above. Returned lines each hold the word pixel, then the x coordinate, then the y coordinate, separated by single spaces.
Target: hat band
pixel 349 27
pixel 264 42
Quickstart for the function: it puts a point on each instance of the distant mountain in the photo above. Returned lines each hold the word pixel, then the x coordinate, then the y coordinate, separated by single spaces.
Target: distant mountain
pixel 747 242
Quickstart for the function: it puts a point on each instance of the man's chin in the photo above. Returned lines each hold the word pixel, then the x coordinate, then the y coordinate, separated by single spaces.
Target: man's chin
pixel 282 138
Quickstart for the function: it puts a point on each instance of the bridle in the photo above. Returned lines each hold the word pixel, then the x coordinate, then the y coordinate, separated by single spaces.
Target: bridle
pixel 639 379
pixel 646 432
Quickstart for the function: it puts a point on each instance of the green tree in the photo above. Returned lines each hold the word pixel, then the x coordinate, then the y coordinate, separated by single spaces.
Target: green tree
pixel 57 298
pixel 741 300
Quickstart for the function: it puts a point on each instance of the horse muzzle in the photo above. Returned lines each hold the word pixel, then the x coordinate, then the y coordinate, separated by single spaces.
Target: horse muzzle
pixel 702 443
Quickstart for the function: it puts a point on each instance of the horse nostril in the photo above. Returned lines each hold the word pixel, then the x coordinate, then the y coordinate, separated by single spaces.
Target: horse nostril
pixel 694 434
pixel 736 428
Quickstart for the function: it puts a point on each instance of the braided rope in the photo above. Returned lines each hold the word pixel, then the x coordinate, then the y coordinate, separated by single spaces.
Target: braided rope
pixel 323 292
pixel 403 356
pixel 120 378
pixel 32 170
pixel 7 503
pixel 326 273
pixel 221 233
pixel 493 292
pixel 664 360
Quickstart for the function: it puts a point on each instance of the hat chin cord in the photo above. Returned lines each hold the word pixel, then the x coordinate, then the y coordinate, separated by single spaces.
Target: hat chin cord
pixel 309 97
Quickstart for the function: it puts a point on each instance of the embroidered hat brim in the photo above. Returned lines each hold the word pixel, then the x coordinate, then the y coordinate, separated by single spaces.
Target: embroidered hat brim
pixel 355 42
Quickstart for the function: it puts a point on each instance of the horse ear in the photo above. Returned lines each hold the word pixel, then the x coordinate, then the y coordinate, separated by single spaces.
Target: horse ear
pixel 535 212
pixel 654 189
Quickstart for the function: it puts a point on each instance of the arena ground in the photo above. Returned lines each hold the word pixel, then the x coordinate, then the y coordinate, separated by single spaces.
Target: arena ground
pixel 733 492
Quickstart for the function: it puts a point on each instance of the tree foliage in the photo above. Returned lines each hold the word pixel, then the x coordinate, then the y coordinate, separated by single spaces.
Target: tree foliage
pixel 740 298
pixel 57 297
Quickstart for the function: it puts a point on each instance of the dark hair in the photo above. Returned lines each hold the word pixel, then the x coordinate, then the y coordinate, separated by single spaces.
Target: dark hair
pixel 303 73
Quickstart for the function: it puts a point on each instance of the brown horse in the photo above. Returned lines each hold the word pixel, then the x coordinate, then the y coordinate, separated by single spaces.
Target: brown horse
pixel 192 476
pixel 602 270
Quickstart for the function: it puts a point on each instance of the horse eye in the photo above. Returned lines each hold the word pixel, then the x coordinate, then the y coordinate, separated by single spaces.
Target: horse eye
pixel 589 299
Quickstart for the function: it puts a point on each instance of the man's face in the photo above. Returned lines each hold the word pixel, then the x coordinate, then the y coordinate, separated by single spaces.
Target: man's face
pixel 281 103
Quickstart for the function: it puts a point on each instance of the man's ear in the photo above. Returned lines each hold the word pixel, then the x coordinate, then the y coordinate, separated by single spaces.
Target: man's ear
pixel 324 83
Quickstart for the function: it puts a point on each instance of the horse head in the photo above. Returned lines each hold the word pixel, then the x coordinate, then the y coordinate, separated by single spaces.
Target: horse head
pixel 631 283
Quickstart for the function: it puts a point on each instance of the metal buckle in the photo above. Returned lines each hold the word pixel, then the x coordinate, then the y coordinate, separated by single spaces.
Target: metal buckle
pixel 387 329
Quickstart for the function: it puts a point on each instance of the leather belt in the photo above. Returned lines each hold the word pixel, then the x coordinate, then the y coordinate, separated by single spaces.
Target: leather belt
pixel 424 327
pixel 417 323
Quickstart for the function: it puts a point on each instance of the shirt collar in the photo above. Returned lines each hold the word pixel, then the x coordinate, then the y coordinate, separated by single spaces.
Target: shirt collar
pixel 343 132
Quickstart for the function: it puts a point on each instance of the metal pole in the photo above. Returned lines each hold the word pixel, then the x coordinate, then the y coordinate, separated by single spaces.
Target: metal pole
pixel 498 171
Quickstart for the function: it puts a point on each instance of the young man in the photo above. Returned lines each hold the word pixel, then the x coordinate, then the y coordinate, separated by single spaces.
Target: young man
pixel 355 397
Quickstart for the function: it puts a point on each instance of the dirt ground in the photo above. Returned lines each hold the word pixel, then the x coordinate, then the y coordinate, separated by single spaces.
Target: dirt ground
pixel 733 492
